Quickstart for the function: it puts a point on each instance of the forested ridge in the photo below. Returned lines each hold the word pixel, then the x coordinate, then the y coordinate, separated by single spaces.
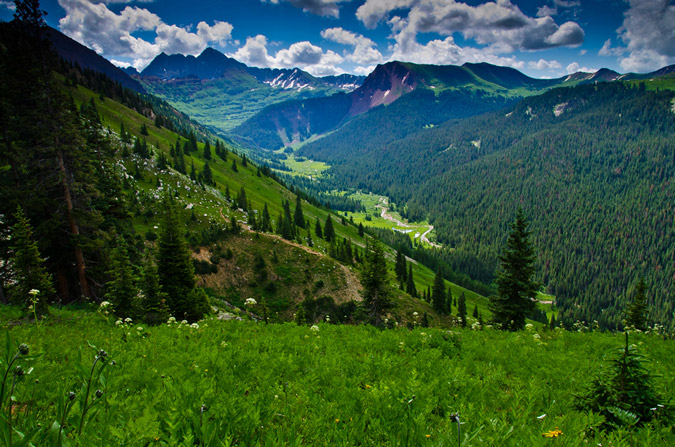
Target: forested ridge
pixel 592 166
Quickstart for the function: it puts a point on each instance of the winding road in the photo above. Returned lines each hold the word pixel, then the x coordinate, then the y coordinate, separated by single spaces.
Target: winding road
pixel 389 217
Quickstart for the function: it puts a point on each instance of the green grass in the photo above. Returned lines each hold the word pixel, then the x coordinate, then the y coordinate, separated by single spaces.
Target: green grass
pixel 248 384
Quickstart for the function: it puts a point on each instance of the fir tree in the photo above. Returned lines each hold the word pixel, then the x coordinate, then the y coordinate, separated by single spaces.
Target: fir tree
pixel 375 287
pixel 193 171
pixel 298 216
pixel 207 150
pixel 516 289
pixel 400 267
pixel 475 311
pixel 265 224
pixel 174 264
pixel 122 288
pixel 234 165
pixel 317 229
pixel 410 283
pixel 361 229
pixel 328 230
pixel 208 175
pixel 144 129
pixel 243 161
pixel 461 309
pixel 438 297
pixel 552 323
pixel 241 199
pixel 636 312
pixel 310 242
pixel 27 265
pixel 448 301
pixel 155 308
pixel 287 227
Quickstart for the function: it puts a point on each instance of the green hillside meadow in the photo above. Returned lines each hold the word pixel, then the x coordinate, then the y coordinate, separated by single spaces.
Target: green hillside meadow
pixel 222 383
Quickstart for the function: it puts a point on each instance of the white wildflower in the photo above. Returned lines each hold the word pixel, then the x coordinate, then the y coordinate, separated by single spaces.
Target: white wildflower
pixel 194 326
pixel 128 320
pixel 250 302
pixel 314 328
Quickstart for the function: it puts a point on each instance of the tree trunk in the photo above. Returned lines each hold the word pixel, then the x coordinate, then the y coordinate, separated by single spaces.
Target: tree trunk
pixel 74 229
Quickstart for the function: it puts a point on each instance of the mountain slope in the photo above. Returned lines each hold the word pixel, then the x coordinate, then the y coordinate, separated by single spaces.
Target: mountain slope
pixel 592 167
pixel 75 53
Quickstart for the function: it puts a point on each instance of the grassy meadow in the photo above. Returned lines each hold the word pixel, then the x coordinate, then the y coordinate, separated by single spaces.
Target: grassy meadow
pixel 226 383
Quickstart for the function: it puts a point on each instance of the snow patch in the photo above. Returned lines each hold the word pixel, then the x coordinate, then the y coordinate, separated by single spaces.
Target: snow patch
pixel 386 94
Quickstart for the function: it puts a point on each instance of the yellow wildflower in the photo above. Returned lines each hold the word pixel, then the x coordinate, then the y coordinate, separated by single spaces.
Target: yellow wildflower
pixel 553 433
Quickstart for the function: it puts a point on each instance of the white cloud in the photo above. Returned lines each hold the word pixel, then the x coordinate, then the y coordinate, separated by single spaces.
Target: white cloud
pixel 542 64
pixel 364 71
pixel 607 49
pixel 649 35
pixel 546 11
pixel 305 55
pixel 363 53
pixel 111 34
pixel 9 5
pixel 574 67
pixel 500 24
pixel 319 7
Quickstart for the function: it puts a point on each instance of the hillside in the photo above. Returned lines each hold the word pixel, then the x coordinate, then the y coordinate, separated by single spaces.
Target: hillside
pixel 590 165
pixel 241 383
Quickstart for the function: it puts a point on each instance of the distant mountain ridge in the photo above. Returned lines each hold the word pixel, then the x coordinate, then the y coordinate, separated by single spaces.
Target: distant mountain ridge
pixel 389 82
pixel 212 64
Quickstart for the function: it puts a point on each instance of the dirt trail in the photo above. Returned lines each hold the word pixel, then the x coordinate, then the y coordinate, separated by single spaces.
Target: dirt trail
pixel 353 286
pixel 389 217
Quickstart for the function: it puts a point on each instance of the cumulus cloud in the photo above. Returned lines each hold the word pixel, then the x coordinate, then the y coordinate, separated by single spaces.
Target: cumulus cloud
pixel 574 67
pixel 303 55
pixel 329 8
pixel 542 64
pixel 363 52
pixel 500 26
pixel 649 35
pixel 106 32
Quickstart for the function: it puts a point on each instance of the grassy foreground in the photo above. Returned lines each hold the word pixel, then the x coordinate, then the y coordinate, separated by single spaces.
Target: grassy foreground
pixel 243 383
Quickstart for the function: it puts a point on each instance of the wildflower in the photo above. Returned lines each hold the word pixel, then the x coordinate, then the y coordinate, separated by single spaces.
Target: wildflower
pixel 24 349
pixel 128 320
pixel 223 344
pixel 33 292
pixel 194 326
pixel 529 327
pixel 183 322
pixel 139 328
pixel 536 336
pixel 337 420
pixel 541 417
pixel 368 386
pixel 72 395
pixel 415 314
pixel 553 433
pixel 427 436
pixel 327 318
pixel 104 304
pixel 314 328
pixel 99 393
pixel 171 320
pixel 119 322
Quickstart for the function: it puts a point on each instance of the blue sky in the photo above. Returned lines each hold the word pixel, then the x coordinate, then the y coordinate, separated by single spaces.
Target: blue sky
pixel 543 38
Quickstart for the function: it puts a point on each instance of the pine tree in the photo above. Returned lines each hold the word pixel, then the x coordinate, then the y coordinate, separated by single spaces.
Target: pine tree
pixel 234 165
pixel 328 230
pixel 516 289
pixel 174 264
pixel 208 175
pixel 266 223
pixel 636 312
pixel 243 161
pixel 193 171
pixel 448 301
pixel 461 309
pixel 144 129
pixel 287 227
pixel 475 311
pixel 400 267
pixel 375 287
pixel 242 202
pixel 28 267
pixel 310 242
pixel 438 297
pixel 155 308
pixel 317 229
pixel 298 216
pixel 207 150
pixel 410 283
pixel 361 229
pixel 122 288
